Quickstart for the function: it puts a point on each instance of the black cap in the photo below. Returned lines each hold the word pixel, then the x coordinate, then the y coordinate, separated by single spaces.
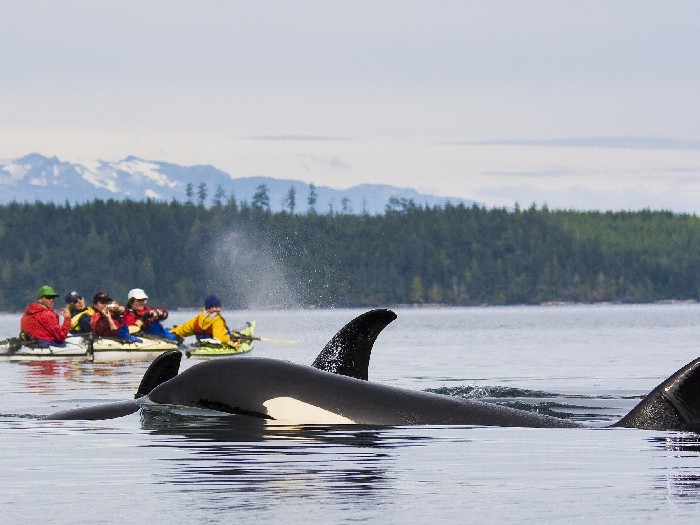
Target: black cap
pixel 101 297
pixel 73 297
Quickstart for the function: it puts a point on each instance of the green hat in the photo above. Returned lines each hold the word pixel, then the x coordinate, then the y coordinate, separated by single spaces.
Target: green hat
pixel 46 291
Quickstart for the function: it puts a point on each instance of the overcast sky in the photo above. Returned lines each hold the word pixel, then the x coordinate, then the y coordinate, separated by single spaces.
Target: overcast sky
pixel 574 104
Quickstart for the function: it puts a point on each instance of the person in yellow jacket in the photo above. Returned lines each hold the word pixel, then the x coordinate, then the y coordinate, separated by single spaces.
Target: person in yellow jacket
pixel 208 323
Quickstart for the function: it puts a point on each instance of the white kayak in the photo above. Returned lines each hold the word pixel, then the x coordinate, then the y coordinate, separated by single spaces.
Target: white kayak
pixel 87 348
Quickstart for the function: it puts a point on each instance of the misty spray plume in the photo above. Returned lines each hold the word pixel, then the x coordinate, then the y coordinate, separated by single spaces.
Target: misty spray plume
pixel 247 273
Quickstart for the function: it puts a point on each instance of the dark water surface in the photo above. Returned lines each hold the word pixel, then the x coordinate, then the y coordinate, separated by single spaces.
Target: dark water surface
pixel 587 363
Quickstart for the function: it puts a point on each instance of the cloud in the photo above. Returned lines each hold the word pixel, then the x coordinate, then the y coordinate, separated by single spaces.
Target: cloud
pixel 313 163
pixel 547 173
pixel 578 197
pixel 643 143
pixel 296 138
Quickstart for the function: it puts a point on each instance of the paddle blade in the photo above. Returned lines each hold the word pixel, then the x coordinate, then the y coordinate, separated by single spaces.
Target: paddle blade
pixel 162 369
pixel 276 341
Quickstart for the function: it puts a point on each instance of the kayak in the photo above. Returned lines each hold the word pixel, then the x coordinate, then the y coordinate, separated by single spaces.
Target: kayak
pixel 150 347
pixel 106 349
pixel 214 348
pixel 87 348
pixel 15 349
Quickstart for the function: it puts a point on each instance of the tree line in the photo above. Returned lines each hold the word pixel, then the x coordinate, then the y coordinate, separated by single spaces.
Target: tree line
pixel 453 255
pixel 260 200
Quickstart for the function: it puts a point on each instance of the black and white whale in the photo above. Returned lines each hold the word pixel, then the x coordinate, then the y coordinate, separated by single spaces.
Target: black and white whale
pixel 335 390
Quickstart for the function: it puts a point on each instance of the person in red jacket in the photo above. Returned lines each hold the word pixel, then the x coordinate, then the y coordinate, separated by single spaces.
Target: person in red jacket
pixel 145 318
pixel 41 323
pixel 108 321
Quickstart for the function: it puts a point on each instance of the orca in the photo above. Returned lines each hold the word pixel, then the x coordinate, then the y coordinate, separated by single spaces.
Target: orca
pixel 336 390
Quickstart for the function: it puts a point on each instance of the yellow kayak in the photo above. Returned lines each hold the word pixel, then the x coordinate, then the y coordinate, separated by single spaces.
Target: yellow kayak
pixel 214 348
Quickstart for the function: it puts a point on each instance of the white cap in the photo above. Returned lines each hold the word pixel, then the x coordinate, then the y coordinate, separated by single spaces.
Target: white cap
pixel 136 293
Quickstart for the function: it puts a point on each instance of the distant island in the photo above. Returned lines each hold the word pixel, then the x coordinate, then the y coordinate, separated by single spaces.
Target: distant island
pixel 254 257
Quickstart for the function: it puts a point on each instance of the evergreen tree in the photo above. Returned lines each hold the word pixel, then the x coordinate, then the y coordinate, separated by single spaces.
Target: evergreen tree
pixel 201 193
pixel 290 200
pixel 313 198
pixel 261 198
pixel 219 195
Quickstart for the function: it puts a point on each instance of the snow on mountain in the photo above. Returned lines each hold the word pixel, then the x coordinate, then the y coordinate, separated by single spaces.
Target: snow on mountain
pixel 48 179
pixel 132 177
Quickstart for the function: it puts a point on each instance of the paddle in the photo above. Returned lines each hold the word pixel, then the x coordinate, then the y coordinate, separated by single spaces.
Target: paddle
pixel 72 343
pixel 242 337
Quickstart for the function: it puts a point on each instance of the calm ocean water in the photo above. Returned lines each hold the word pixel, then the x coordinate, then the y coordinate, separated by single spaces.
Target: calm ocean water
pixel 587 363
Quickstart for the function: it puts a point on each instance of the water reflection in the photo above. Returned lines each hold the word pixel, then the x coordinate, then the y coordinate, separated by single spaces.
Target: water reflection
pixel 249 456
pixel 42 376
pixel 207 426
pixel 679 442
pixel 52 376
pixel 681 479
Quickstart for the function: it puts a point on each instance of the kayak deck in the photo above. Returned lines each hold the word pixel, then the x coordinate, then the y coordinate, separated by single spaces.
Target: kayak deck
pixel 87 349
pixel 150 347
pixel 215 348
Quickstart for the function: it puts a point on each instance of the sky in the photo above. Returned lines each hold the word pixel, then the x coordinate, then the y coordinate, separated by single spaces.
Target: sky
pixel 588 105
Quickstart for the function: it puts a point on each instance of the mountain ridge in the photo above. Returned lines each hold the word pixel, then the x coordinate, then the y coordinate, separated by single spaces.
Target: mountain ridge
pixel 35 177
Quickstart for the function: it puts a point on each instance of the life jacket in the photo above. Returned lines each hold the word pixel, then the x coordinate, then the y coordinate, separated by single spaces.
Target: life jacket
pixel 75 320
pixel 198 330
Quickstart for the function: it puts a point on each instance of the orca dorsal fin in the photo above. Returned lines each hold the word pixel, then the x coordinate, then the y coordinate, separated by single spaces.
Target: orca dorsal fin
pixel 673 405
pixel 348 352
pixel 162 369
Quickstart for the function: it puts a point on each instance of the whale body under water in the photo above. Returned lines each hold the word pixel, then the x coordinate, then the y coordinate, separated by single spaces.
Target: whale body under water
pixel 335 390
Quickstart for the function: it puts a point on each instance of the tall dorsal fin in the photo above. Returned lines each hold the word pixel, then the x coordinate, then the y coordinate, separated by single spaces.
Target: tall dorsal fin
pixel 162 369
pixel 349 351
pixel 673 405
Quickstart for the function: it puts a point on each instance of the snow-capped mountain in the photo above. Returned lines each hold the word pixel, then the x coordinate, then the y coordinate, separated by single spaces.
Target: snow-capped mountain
pixel 48 179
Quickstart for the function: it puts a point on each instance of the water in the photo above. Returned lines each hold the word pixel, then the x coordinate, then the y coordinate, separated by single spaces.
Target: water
pixel 587 363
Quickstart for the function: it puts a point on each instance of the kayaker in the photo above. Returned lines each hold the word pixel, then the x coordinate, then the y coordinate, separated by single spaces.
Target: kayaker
pixel 145 318
pixel 208 323
pixel 107 321
pixel 80 313
pixel 41 323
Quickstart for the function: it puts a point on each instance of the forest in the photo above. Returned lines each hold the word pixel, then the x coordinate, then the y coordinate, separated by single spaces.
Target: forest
pixel 254 258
